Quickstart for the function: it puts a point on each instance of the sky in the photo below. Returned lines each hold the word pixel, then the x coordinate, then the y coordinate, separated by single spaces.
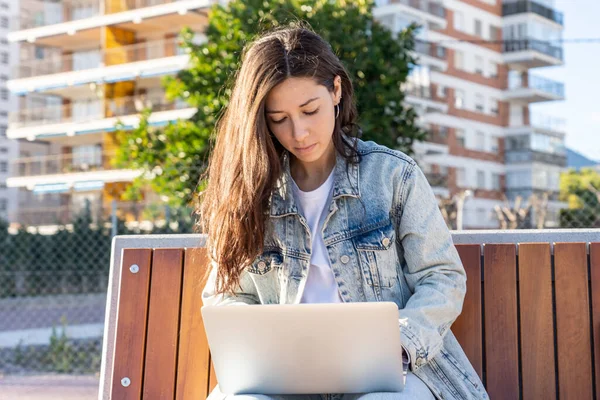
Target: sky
pixel 581 76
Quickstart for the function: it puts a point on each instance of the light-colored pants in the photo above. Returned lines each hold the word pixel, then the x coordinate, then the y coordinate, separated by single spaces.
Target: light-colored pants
pixel 414 389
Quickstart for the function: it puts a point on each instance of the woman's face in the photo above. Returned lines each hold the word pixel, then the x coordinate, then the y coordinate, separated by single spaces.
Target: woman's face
pixel 301 115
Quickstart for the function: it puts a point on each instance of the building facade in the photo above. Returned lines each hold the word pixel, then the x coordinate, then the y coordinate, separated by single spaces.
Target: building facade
pixel 473 89
pixel 85 65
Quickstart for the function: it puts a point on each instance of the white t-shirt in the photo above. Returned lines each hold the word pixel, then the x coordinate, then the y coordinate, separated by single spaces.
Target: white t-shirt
pixel 321 286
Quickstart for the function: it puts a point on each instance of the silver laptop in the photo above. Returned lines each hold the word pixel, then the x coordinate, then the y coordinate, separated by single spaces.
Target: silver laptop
pixel 306 348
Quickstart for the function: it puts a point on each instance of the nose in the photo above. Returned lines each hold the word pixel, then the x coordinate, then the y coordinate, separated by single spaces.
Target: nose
pixel 300 131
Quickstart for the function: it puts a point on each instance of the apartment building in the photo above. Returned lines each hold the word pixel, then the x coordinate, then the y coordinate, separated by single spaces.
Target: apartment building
pixel 84 65
pixel 473 89
pixel 8 148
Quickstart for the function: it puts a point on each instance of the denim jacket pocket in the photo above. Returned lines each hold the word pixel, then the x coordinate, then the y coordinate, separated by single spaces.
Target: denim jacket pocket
pixel 377 254
pixel 265 263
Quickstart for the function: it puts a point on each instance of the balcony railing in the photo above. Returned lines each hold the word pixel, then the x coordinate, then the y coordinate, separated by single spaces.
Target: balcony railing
pixel 547 122
pixel 91 110
pixel 99 58
pixel 62 164
pixel 526 6
pixel 430 49
pixel 512 46
pixel 517 81
pixel 36 13
pixel 428 6
pixel 420 91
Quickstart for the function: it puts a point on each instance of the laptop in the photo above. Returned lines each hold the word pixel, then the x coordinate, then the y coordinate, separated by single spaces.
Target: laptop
pixel 305 348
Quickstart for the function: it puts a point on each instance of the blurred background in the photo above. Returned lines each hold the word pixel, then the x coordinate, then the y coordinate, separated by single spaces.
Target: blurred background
pixel 106 108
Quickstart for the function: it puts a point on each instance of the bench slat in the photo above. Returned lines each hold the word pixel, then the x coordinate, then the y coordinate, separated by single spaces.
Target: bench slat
pixel 595 277
pixel 501 334
pixel 163 324
pixel 572 321
pixel 193 361
pixel 131 324
pixel 537 325
pixel 468 327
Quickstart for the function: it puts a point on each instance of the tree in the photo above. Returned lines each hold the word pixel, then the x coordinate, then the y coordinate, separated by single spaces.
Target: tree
pixel 173 156
pixel 582 192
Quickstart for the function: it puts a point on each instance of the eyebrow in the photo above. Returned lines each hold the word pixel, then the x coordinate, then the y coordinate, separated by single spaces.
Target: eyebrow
pixel 301 105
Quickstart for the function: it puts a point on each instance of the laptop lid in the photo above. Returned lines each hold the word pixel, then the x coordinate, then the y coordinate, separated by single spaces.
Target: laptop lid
pixel 306 348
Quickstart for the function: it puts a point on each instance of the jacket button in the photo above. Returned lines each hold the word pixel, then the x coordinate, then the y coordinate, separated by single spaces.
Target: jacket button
pixel 344 259
pixel 262 265
pixel 386 242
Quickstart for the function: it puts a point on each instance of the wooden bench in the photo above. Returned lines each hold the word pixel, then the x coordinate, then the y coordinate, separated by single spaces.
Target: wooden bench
pixel 530 323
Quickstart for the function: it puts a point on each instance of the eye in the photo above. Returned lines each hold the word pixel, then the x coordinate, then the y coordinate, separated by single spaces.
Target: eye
pixel 312 112
pixel 279 120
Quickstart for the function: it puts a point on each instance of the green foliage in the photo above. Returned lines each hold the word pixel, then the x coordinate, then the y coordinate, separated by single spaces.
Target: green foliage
pixel 582 192
pixel 173 156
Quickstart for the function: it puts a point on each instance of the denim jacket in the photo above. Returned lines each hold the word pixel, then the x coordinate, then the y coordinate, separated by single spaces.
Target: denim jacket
pixel 387 241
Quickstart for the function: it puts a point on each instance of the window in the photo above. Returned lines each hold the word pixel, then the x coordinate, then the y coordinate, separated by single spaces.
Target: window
pixel 443 132
pixel 478 28
pixel 493 69
pixel 4 41
pixel 479 65
pixel 3 185
pixel 3 150
pixel 3 130
pixel 494 106
pixel 3 94
pixel 3 166
pixel 459 99
pixel 4 57
pixel 495 144
pixel 459 21
pixel 479 102
pixel 496 181
pixel 461 177
pixel 3 78
pixel 480 141
pixel 3 204
pixel 460 137
pixel 494 33
pixel 3 113
pixel 459 60
pixel 481 179
pixel 3 22
pixel 441 91
pixel 39 53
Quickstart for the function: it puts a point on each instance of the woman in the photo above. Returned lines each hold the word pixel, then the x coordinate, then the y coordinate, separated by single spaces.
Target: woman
pixel 297 209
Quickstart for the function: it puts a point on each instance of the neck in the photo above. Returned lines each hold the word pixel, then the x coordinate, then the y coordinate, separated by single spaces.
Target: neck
pixel 309 176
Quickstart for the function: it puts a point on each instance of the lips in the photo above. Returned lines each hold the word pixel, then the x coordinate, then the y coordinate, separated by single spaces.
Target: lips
pixel 305 149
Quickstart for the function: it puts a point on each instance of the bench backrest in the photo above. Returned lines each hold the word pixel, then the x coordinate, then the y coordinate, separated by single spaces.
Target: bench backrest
pixel 529 320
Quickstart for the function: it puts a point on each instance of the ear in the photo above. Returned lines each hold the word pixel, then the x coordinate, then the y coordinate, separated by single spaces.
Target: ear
pixel 337 89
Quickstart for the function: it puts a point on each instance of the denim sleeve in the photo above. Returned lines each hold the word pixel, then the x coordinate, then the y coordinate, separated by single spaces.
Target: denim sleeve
pixel 245 294
pixel 432 268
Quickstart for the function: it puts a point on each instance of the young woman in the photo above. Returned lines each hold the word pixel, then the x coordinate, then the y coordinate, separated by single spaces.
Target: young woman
pixel 298 210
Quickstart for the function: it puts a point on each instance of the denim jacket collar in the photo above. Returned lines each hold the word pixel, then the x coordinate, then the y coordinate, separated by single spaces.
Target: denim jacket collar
pixel 344 184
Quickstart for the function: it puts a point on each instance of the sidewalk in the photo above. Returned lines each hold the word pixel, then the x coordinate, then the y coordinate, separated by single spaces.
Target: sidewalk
pixel 49 387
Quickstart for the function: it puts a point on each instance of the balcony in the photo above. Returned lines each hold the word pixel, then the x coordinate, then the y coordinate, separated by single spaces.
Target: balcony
pixel 423 98
pixel 431 54
pixel 140 60
pixel 535 147
pixel 526 6
pixel 531 53
pixel 428 11
pixel 93 116
pixel 80 171
pixel 529 88
pixel 68 24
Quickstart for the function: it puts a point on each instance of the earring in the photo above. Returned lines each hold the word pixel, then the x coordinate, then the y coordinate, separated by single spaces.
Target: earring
pixel 337 111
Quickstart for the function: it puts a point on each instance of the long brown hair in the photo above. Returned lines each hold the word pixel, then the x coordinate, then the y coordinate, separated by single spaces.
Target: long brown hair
pixel 246 160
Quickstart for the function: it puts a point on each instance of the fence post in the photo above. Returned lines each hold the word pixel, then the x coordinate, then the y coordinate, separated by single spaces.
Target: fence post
pixel 113 216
